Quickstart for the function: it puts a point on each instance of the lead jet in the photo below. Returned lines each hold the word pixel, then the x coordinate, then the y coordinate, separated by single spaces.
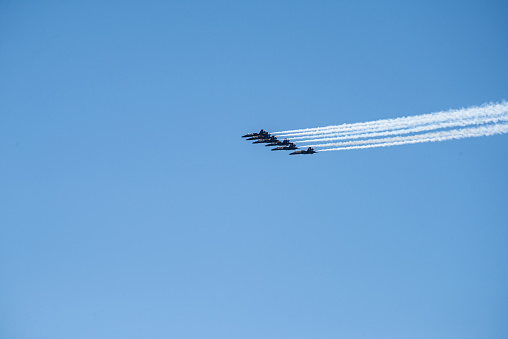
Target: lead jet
pixel 289 147
pixel 262 132
pixel 264 135
pixel 285 142
pixel 309 150
pixel 272 139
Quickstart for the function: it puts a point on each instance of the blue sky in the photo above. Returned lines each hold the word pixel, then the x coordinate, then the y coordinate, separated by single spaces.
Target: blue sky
pixel 131 208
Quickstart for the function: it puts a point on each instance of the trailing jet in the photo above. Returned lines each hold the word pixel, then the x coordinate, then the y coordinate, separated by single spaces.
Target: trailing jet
pixel 309 150
pixel 289 147
pixel 285 142
pixel 272 139
pixel 262 132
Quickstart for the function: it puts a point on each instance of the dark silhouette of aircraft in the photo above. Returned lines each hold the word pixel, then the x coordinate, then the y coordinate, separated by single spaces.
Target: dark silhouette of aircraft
pixel 262 132
pixel 289 147
pixel 271 139
pixel 285 142
pixel 264 135
pixel 309 150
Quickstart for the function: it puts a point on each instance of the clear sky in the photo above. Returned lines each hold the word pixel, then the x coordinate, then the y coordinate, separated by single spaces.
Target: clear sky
pixel 131 208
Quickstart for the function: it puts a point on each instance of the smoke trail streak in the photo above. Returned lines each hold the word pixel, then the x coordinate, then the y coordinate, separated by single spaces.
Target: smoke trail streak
pixel 381 125
pixel 427 137
pixel 405 120
pixel 430 127
pixel 384 124
pixel 419 121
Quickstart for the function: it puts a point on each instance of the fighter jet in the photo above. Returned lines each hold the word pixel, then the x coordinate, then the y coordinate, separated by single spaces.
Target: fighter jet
pixel 272 139
pixel 289 147
pixel 262 132
pixel 285 142
pixel 309 150
pixel 264 135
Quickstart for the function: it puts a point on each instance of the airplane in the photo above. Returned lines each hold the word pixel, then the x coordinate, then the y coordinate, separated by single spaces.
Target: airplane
pixel 264 135
pixel 289 147
pixel 262 132
pixel 279 143
pixel 272 139
pixel 309 150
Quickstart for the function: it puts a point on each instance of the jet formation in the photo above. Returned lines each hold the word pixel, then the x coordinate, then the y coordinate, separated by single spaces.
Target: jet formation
pixel 263 137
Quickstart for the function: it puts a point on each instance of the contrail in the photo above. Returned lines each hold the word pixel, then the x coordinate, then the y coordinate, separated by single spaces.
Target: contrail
pixel 427 137
pixel 423 128
pixel 421 120
pixel 400 123
pixel 384 124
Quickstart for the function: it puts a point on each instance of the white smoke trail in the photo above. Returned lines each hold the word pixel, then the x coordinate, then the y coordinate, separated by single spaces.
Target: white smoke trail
pixel 404 122
pixel 427 137
pixel 423 128
pixel 422 120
